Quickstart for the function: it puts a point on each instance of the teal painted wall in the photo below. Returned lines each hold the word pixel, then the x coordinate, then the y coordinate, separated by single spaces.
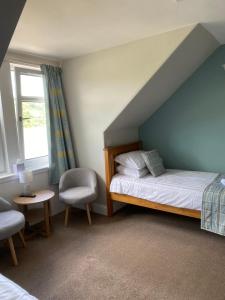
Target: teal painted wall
pixel 189 129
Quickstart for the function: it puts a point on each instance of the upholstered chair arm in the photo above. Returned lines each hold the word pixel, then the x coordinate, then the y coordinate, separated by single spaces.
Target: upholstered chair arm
pixel 5 205
pixel 65 181
pixel 93 181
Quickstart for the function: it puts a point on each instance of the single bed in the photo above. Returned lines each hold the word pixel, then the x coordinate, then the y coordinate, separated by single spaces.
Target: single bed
pixel 9 290
pixel 176 191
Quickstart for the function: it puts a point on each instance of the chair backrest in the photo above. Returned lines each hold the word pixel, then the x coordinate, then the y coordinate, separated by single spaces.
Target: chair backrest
pixel 78 177
pixel 5 205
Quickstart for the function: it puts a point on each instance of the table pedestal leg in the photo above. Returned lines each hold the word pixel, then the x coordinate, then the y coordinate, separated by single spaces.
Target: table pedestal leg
pixel 46 218
pixel 25 212
pixel 50 212
pixel 28 231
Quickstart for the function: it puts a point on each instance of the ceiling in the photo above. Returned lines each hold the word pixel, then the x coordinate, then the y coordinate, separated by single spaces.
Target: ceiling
pixel 69 28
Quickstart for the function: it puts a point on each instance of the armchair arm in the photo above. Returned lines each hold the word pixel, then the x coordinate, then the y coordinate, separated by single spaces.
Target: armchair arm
pixel 5 205
pixel 93 181
pixel 63 182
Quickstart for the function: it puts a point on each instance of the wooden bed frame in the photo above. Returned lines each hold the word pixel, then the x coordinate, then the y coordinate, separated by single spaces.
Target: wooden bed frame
pixel 110 170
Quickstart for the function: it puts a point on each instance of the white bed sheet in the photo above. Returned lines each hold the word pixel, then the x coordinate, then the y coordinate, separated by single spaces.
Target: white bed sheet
pixel 9 290
pixel 176 187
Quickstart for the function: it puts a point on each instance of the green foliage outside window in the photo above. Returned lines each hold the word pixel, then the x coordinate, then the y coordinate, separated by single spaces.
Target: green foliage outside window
pixel 33 114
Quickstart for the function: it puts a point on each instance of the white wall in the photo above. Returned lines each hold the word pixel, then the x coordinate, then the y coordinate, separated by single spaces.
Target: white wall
pixel 9 188
pixel 187 57
pixel 98 87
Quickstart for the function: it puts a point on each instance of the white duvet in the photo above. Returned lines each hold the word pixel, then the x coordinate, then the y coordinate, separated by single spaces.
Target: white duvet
pixel 176 187
pixel 9 290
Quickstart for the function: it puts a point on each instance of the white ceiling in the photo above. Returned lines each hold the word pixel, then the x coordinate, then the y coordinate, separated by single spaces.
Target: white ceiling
pixel 64 29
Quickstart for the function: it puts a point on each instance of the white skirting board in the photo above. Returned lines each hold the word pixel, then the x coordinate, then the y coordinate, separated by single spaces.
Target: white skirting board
pixel 98 208
pixel 101 208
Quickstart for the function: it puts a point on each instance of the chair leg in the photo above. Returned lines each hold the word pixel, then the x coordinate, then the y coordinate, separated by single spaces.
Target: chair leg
pixel 88 213
pixel 67 212
pixel 22 238
pixel 13 252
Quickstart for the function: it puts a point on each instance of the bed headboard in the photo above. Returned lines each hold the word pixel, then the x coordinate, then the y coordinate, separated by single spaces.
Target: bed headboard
pixel 110 154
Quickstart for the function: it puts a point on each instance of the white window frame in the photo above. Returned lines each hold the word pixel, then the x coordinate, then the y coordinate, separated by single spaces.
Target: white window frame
pixel 37 161
pixel 9 141
pixel 3 157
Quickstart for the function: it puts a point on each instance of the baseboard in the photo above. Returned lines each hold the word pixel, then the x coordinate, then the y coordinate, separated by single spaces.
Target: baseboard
pixel 98 208
pixel 102 208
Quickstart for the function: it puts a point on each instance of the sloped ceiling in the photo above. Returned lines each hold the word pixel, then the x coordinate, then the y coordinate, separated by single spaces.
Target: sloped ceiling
pixel 10 11
pixel 99 86
pixel 195 48
pixel 65 29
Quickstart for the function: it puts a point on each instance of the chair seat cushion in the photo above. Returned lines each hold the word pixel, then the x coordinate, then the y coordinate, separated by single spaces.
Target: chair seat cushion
pixel 77 194
pixel 11 222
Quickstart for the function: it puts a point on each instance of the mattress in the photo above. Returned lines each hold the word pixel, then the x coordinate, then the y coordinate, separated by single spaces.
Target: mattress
pixel 177 188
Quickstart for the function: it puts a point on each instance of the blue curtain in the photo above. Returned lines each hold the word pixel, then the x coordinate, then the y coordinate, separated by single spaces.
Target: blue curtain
pixel 61 154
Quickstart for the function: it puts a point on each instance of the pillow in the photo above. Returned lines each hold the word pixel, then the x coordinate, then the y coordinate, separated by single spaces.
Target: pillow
pixel 154 162
pixel 133 160
pixel 132 172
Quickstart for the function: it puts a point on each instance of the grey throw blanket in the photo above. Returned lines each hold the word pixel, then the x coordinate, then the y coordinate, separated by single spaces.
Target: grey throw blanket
pixel 213 207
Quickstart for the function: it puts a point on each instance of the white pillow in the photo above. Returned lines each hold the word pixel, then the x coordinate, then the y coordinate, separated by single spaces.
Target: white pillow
pixel 133 160
pixel 132 172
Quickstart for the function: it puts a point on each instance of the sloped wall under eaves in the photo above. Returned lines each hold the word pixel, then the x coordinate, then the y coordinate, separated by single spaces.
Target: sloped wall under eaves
pixel 181 64
pixel 108 91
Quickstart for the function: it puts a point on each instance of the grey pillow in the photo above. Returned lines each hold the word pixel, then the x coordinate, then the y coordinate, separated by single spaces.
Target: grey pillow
pixel 154 162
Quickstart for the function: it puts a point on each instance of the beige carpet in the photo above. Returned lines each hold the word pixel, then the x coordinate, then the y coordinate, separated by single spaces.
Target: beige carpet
pixel 137 254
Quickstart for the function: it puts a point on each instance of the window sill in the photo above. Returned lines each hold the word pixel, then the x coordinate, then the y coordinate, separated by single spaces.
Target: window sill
pixel 13 177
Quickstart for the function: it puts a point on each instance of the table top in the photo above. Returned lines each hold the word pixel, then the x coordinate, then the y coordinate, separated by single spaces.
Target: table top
pixel 41 196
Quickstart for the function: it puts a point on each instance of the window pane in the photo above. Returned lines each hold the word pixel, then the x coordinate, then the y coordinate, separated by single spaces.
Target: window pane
pixel 31 86
pixel 34 129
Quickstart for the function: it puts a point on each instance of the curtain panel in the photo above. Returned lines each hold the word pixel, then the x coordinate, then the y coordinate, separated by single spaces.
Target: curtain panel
pixel 61 154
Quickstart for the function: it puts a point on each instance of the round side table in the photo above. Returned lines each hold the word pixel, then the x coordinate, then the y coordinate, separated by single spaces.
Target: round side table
pixel 41 197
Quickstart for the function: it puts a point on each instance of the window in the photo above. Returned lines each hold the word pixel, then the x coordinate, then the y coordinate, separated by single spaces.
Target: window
pixel 30 115
pixel 23 130
pixel 2 148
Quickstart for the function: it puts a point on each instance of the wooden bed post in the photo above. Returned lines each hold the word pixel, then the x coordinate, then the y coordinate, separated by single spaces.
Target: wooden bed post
pixel 108 177
pixel 110 168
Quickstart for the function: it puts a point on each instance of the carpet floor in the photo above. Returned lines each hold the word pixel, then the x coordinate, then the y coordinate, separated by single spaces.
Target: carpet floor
pixel 137 254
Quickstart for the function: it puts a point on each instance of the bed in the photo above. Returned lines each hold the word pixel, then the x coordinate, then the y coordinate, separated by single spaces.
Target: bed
pixel 9 290
pixel 176 191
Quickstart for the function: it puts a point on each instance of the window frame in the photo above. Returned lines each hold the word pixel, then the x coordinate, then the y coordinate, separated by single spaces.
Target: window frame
pixel 3 156
pixel 35 162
